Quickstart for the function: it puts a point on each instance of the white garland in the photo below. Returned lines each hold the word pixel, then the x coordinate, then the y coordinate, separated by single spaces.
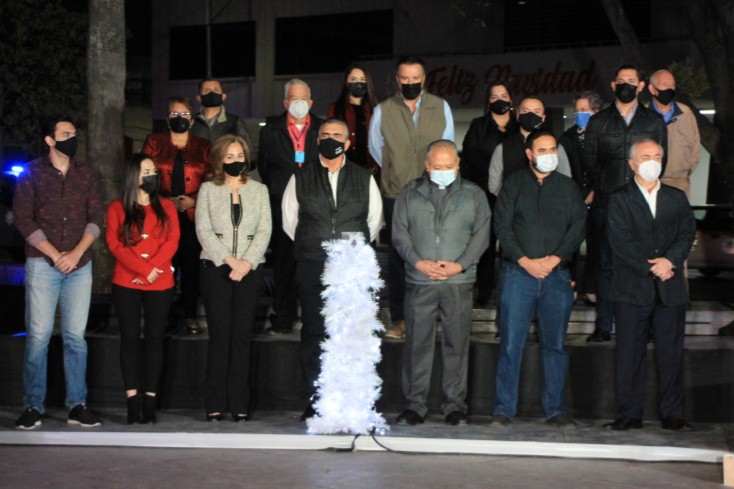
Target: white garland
pixel 349 386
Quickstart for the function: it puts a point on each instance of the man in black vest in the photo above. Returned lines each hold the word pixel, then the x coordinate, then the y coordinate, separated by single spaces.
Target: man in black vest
pixel 286 144
pixel 320 202
pixel 651 230
pixel 509 156
pixel 213 121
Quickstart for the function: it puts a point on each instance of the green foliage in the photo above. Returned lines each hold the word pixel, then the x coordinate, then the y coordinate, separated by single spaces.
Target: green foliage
pixel 690 76
pixel 42 67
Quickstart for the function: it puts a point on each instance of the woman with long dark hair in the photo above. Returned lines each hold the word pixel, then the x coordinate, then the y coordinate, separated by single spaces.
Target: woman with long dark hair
pixel 233 224
pixel 354 106
pixel 142 234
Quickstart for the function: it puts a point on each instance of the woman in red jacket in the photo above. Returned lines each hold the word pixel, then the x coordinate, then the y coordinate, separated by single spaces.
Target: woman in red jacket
pixel 354 106
pixel 182 160
pixel 142 234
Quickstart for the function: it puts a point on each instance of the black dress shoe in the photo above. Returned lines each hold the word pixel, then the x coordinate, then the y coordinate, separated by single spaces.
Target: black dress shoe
pixel 455 418
pixel 624 423
pixel 410 417
pixel 676 423
pixel 148 416
pixel 133 409
pixel 599 335
pixel 309 412
pixel 561 420
pixel 240 418
pixel 214 417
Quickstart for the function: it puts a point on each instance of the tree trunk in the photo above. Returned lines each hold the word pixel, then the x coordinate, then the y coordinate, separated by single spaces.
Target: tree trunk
pixel 632 46
pixel 106 105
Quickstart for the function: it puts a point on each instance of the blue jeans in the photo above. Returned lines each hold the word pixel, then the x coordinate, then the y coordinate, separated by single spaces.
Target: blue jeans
pixel 521 295
pixel 45 287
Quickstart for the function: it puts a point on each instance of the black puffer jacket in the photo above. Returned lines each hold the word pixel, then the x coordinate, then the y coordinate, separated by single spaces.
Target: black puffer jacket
pixel 607 143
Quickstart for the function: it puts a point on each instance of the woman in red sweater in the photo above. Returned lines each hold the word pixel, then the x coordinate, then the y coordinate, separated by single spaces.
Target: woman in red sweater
pixel 142 234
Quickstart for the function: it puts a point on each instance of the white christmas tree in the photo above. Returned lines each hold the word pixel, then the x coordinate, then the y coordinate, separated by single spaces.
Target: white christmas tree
pixel 349 386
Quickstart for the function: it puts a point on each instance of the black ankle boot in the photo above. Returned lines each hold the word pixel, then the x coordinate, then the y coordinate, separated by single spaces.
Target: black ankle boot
pixel 133 409
pixel 148 409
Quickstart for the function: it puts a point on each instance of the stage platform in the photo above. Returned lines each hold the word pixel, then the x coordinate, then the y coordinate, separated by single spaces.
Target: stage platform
pixel 276 378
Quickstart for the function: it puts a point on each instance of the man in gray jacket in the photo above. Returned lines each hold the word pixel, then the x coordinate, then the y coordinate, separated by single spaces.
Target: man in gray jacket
pixel 440 228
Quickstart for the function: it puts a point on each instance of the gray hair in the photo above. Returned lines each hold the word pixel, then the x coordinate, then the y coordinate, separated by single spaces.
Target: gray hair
pixel 442 144
pixel 293 82
pixel 593 97
pixel 633 148
pixel 334 120
pixel 652 77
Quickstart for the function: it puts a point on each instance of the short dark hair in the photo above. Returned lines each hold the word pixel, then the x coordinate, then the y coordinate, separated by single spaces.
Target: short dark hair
pixel 537 134
pixel 201 83
pixel 335 120
pixel 532 96
pixel 627 67
pixel 410 60
pixel 48 124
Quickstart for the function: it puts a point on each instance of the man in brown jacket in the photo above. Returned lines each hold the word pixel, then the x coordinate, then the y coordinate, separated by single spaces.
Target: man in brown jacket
pixel 684 143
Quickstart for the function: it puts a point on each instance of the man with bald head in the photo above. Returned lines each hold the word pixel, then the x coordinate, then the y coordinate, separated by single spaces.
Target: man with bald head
pixel 684 142
pixel 651 230
pixel 440 229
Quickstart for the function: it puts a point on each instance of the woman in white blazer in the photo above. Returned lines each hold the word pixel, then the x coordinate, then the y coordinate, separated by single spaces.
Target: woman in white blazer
pixel 233 225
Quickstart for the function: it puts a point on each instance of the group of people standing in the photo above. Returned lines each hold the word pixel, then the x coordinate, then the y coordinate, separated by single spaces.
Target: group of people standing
pixel 188 205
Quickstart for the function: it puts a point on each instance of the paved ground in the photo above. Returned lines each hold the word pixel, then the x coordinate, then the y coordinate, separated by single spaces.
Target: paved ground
pixel 112 467
pixel 108 468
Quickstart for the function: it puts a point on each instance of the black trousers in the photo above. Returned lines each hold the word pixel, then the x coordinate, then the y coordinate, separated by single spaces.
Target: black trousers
pixel 186 260
pixel 313 331
pixel 395 267
pixel 156 305
pixel 633 325
pixel 230 313
pixel 285 300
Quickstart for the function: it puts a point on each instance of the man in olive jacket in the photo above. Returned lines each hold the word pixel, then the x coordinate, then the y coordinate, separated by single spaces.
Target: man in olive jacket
pixel 440 228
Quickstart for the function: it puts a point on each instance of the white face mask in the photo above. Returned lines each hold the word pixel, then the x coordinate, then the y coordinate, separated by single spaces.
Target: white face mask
pixel 650 170
pixel 298 109
pixel 546 163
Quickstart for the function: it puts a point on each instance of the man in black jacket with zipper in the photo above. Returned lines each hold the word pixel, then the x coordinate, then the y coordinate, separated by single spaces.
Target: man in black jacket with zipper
pixel 286 144
pixel 609 136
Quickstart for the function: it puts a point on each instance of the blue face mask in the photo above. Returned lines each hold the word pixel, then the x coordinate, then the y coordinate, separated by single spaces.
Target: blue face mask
pixel 582 118
pixel 443 178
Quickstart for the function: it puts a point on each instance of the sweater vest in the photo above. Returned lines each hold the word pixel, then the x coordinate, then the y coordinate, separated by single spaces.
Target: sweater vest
pixel 320 219
pixel 404 153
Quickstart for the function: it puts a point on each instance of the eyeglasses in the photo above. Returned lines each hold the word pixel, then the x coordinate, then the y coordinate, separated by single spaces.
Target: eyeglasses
pixel 177 114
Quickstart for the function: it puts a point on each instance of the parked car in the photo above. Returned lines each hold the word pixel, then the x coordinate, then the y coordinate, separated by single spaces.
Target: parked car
pixel 713 249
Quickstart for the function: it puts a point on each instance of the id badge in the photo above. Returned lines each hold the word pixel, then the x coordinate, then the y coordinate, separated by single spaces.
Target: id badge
pixel 300 157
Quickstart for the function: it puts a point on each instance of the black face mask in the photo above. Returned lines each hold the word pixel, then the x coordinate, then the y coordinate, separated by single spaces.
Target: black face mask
pixel 357 89
pixel 67 147
pixel 625 92
pixel 665 96
pixel 500 107
pixel 235 168
pixel 211 99
pixel 150 184
pixel 179 124
pixel 530 121
pixel 331 148
pixel 410 91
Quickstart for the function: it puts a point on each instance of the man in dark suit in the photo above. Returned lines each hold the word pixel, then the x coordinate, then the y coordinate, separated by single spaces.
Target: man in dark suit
pixel 651 230
pixel 286 144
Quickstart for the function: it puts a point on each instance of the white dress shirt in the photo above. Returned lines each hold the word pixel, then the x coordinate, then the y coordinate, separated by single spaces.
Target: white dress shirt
pixel 289 205
pixel 650 197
